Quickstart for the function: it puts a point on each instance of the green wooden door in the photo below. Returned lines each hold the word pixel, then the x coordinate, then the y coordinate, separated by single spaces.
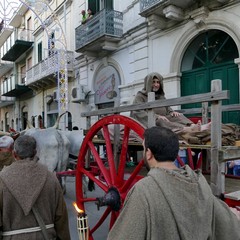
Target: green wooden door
pixel 211 56
pixel 229 76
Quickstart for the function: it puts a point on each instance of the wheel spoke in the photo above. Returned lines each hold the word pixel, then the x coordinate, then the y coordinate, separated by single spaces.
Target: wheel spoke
pixel 129 182
pixel 88 200
pixel 100 163
pixel 190 158
pixel 112 167
pixel 123 155
pixel 101 220
pixel 97 181
pixel 199 162
pixel 114 216
pixel 180 161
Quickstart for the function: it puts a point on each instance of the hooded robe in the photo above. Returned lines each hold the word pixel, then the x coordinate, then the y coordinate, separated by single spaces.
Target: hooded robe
pixel 26 183
pixel 174 205
pixel 176 123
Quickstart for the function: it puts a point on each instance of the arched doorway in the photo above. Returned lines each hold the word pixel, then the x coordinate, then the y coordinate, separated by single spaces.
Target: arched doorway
pixel 69 123
pixel 52 112
pixel 211 56
pixel 24 117
pixel 7 121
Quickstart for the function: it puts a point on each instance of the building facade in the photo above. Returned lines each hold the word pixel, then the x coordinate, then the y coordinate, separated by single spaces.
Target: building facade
pixel 106 59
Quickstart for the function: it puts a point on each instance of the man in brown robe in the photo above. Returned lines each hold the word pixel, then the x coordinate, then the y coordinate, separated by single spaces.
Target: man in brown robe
pixel 165 116
pixel 26 187
pixel 172 203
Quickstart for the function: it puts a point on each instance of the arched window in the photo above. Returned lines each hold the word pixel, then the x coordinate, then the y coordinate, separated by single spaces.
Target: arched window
pixel 12 124
pixel 209 48
pixel 106 87
pixel 40 122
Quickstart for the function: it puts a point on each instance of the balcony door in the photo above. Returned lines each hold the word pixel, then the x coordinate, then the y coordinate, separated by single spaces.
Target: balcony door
pixel 23 75
pixel 98 5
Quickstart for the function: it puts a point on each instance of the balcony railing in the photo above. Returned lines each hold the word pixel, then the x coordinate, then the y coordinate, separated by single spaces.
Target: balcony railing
pixel 47 68
pixel 5 67
pixel 16 45
pixel 8 85
pixel 105 22
pixel 6 101
pixel 146 4
pixel 164 7
pixel 10 88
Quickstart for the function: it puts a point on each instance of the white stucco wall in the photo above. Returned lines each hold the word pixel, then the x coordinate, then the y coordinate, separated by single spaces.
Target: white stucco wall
pixel 141 51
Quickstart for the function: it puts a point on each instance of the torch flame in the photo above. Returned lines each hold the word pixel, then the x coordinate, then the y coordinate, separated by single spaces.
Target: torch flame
pixel 77 208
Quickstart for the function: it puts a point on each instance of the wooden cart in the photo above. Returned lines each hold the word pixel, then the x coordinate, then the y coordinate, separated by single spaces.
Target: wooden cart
pixel 106 166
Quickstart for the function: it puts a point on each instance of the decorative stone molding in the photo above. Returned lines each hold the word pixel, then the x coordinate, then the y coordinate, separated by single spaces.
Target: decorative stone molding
pixel 237 61
pixel 174 13
pixel 157 22
pixel 199 16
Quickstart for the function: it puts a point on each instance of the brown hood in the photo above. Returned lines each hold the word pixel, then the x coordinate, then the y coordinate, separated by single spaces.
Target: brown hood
pixel 148 83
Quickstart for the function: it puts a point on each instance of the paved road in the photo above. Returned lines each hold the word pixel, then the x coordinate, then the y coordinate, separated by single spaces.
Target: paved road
pixel 91 209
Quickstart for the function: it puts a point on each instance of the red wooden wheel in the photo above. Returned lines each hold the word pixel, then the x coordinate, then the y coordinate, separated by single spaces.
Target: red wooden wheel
pixel 114 182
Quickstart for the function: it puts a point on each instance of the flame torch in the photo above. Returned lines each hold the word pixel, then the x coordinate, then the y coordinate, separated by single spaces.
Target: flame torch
pixel 82 223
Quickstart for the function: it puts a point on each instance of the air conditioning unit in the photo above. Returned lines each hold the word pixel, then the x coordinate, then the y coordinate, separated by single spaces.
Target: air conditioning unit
pixel 55 95
pixel 78 94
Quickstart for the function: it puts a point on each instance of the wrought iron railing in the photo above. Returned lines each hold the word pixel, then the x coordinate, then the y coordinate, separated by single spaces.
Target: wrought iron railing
pixel 23 35
pixel 47 67
pixel 146 4
pixel 8 85
pixel 105 22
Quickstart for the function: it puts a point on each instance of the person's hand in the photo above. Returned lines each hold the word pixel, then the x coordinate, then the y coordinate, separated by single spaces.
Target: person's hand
pixel 162 118
pixel 175 114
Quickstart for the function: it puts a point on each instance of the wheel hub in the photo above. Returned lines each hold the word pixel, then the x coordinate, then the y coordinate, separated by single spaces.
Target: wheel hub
pixel 111 198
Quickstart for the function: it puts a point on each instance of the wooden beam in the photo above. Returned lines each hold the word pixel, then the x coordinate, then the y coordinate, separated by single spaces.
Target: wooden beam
pixel 217 176
pixel 204 97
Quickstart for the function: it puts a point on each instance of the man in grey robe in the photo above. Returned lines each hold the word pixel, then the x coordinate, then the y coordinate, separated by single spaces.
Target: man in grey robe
pixel 172 203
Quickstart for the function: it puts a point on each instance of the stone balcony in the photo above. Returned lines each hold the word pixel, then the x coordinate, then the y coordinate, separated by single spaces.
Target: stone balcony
pixel 166 13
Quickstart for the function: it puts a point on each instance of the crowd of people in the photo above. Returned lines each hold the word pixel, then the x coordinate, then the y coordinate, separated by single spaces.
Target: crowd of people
pixel 171 202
